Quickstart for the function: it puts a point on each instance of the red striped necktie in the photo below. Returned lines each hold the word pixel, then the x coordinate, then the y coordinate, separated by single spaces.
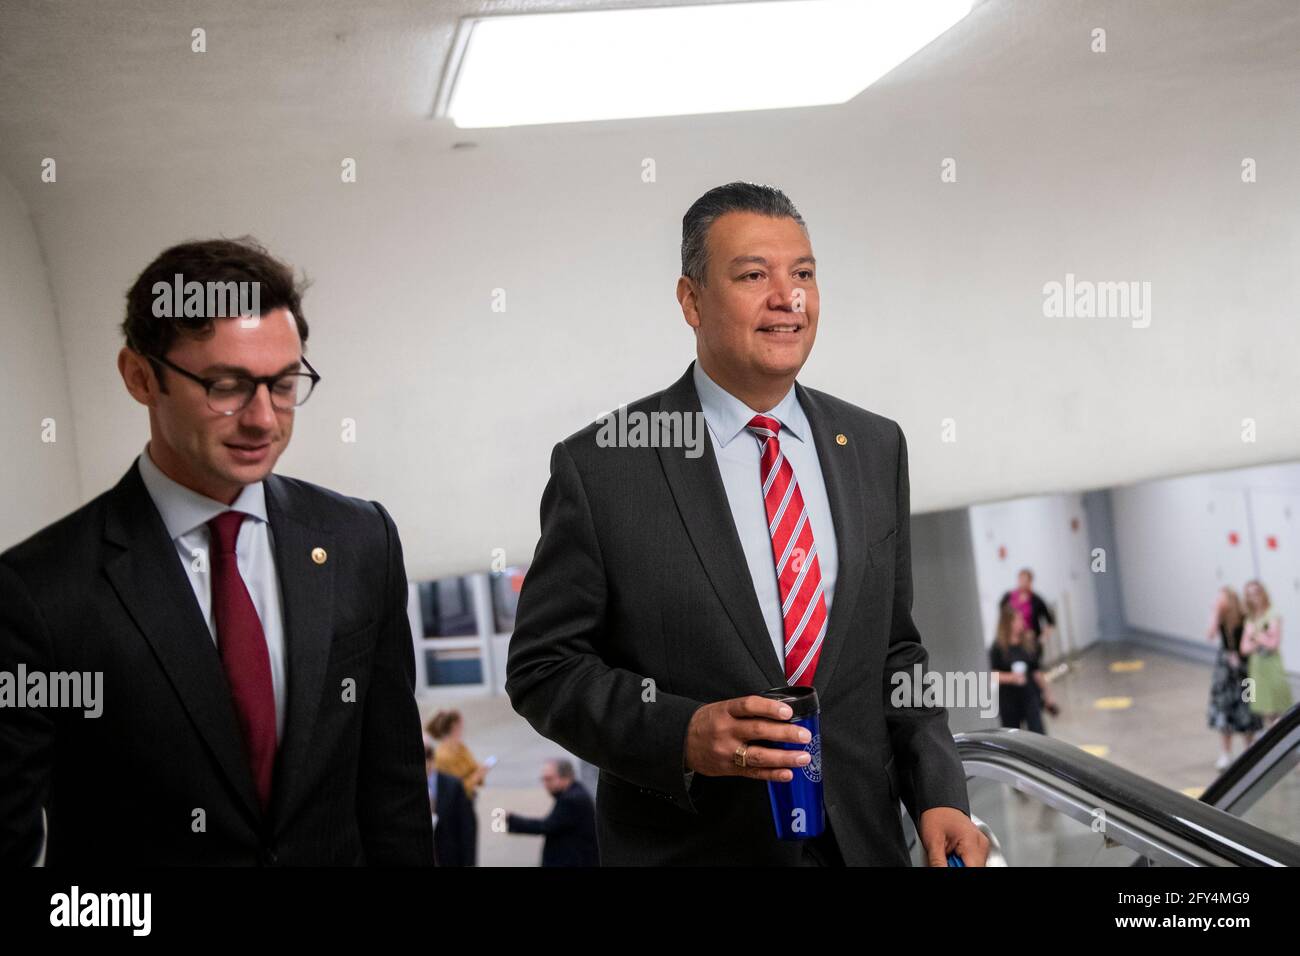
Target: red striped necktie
pixel 798 572
pixel 244 654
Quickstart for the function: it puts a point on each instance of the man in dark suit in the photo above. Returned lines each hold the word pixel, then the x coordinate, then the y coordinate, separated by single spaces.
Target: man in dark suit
pixel 570 827
pixel 250 630
pixel 670 586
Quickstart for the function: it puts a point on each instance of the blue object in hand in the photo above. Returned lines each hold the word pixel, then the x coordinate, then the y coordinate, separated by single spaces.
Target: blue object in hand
pixel 954 860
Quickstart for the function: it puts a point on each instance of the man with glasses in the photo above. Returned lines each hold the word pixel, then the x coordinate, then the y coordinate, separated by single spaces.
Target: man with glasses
pixel 250 630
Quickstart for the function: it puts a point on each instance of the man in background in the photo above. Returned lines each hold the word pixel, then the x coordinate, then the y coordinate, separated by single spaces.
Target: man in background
pixel 570 827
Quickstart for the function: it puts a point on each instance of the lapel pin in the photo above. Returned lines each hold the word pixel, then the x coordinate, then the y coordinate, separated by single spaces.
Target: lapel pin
pixel 841 439
pixel 318 555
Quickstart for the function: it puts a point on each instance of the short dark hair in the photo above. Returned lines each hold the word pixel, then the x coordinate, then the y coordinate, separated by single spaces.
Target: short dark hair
pixel 733 197
pixel 207 260
pixel 563 767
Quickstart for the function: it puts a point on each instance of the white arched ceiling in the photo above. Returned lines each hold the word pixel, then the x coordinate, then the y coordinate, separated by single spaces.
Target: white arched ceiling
pixel 1117 166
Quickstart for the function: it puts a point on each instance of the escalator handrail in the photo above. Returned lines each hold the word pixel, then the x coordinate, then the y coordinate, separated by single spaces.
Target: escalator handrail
pixel 1192 821
pixel 1256 753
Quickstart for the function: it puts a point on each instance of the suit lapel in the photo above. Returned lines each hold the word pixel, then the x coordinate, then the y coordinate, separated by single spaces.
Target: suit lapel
pixel 696 485
pixel 151 583
pixel 843 477
pixel 307 594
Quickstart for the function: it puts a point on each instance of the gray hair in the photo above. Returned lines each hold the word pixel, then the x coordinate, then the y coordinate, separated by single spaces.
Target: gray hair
pixel 733 197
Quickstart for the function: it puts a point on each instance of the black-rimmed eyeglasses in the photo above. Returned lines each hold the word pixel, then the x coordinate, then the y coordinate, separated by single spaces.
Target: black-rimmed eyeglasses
pixel 230 394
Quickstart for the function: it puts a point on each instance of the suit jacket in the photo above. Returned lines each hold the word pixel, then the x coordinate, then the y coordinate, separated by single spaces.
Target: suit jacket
pixel 103 590
pixel 455 837
pixel 570 829
pixel 639 607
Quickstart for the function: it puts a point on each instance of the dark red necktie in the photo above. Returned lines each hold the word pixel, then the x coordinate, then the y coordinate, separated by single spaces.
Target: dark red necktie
pixel 244 655
pixel 798 572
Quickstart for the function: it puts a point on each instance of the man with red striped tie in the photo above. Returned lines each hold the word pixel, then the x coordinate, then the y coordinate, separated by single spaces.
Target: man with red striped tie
pixel 671 586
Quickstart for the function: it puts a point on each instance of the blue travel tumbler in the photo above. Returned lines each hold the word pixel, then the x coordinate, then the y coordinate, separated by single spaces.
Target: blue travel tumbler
pixel 797 807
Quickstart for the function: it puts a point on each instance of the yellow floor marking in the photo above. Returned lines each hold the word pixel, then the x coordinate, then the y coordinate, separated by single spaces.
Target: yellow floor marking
pixel 1125 667
pixel 1113 703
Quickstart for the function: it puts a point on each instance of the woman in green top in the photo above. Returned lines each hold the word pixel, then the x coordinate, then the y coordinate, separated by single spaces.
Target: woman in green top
pixel 1262 641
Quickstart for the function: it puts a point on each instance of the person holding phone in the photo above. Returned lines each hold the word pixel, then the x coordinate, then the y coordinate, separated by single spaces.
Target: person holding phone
pixel 447 727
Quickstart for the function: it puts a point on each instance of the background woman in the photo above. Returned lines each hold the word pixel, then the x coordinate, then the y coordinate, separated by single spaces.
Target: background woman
pixel 1261 639
pixel 1022 689
pixel 452 755
pixel 1229 712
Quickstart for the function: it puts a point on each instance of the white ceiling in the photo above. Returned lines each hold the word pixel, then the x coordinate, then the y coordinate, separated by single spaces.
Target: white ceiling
pixel 115 82
pixel 1122 166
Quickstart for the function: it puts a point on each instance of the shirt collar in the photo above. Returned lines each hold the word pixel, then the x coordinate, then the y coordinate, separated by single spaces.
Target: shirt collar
pixel 728 416
pixel 184 509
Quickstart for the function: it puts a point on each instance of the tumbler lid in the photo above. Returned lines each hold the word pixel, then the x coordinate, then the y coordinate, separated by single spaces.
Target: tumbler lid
pixel 801 699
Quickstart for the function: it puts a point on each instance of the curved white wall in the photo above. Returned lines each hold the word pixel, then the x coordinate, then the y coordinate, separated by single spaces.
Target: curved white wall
pixel 38 478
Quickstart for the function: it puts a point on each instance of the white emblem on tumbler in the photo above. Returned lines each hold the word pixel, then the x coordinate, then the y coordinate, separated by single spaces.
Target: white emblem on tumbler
pixel 813 769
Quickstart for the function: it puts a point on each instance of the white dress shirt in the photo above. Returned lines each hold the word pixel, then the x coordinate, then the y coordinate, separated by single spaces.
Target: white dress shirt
pixel 739 459
pixel 186 514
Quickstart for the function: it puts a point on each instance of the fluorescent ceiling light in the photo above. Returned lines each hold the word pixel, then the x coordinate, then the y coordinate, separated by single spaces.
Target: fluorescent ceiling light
pixel 671 61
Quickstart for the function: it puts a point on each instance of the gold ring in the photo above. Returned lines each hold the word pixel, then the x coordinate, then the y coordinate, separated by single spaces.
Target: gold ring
pixel 738 758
